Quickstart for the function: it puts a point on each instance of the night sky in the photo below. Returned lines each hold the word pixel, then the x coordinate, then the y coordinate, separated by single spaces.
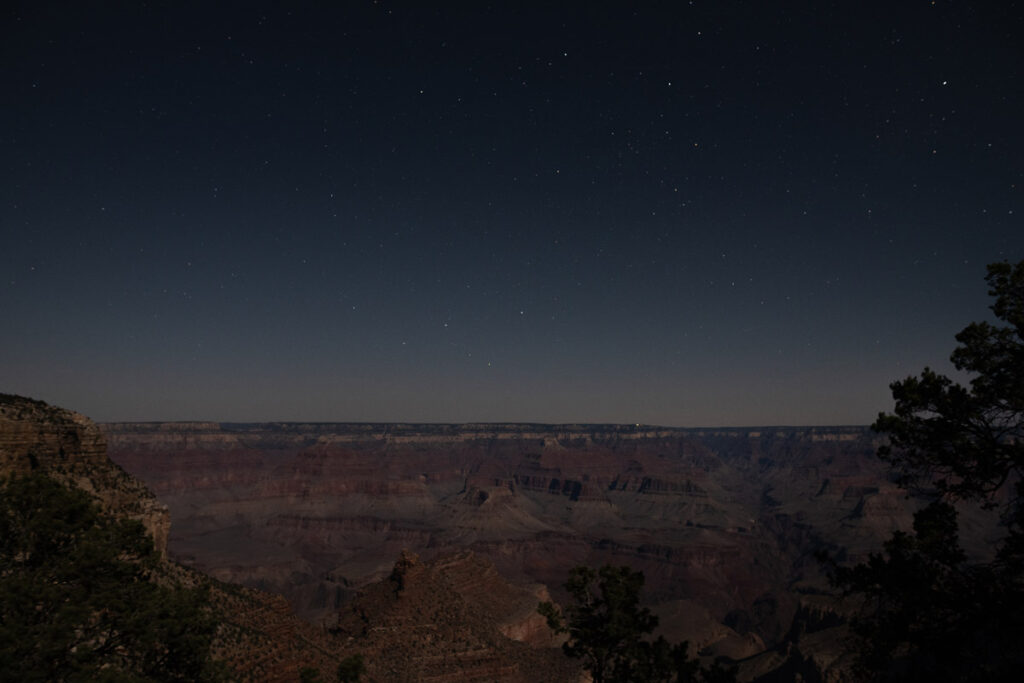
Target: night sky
pixel 687 214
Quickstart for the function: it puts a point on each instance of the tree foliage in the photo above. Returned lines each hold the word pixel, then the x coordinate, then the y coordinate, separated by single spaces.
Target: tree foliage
pixel 77 599
pixel 929 611
pixel 610 632
pixel 968 442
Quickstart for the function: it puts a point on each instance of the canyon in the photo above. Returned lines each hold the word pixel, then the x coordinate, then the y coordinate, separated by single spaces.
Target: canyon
pixel 724 523
pixel 424 549
pixel 452 619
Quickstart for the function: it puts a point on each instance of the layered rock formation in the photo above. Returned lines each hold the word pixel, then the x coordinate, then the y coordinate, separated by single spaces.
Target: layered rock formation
pixel 723 523
pixel 259 637
pixel 71 448
pixel 453 619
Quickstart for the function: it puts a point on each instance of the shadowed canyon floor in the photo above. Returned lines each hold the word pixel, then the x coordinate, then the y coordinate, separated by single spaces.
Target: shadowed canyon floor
pixel 723 523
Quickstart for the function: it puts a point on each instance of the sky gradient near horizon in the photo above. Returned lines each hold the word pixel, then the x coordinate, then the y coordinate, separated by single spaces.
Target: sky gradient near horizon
pixel 687 213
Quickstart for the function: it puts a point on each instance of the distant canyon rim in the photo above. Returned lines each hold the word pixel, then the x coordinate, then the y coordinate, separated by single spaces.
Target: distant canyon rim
pixel 724 523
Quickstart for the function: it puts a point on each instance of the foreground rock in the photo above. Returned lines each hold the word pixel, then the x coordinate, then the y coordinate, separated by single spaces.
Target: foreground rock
pixel 453 619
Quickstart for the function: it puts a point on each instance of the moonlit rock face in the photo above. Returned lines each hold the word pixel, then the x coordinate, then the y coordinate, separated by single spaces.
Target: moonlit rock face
pixel 69 447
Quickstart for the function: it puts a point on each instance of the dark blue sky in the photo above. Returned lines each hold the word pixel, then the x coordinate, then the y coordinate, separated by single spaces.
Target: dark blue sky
pixel 695 214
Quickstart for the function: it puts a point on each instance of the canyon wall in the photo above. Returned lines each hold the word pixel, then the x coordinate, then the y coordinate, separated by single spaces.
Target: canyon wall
pixel 723 523
pixel 71 448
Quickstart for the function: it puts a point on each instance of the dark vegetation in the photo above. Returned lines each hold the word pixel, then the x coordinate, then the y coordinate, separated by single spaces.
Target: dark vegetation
pixel 610 633
pixel 929 612
pixel 82 597
pixel 351 669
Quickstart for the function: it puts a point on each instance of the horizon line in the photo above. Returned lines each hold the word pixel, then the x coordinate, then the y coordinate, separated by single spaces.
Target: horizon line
pixel 526 423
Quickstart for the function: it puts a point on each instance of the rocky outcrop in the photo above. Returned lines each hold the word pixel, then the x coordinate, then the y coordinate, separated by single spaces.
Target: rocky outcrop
pixel 259 638
pixel 35 436
pixel 452 619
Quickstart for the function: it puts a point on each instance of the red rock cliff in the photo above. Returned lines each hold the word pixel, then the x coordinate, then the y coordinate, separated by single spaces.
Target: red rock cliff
pixel 71 448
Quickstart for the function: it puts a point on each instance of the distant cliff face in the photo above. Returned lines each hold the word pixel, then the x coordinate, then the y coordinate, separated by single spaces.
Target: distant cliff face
pixel 71 448
pixel 726 521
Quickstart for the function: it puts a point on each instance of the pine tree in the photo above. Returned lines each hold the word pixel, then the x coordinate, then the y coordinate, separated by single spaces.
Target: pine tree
pixel 930 613
pixel 610 632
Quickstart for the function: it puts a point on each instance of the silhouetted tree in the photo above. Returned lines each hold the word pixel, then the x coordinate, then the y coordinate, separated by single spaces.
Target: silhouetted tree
pixel 929 612
pixel 76 597
pixel 610 632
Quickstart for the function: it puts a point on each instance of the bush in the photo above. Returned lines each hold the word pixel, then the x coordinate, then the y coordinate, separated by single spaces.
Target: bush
pixel 77 595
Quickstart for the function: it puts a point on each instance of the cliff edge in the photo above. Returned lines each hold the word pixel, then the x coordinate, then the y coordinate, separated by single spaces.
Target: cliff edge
pixel 70 448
